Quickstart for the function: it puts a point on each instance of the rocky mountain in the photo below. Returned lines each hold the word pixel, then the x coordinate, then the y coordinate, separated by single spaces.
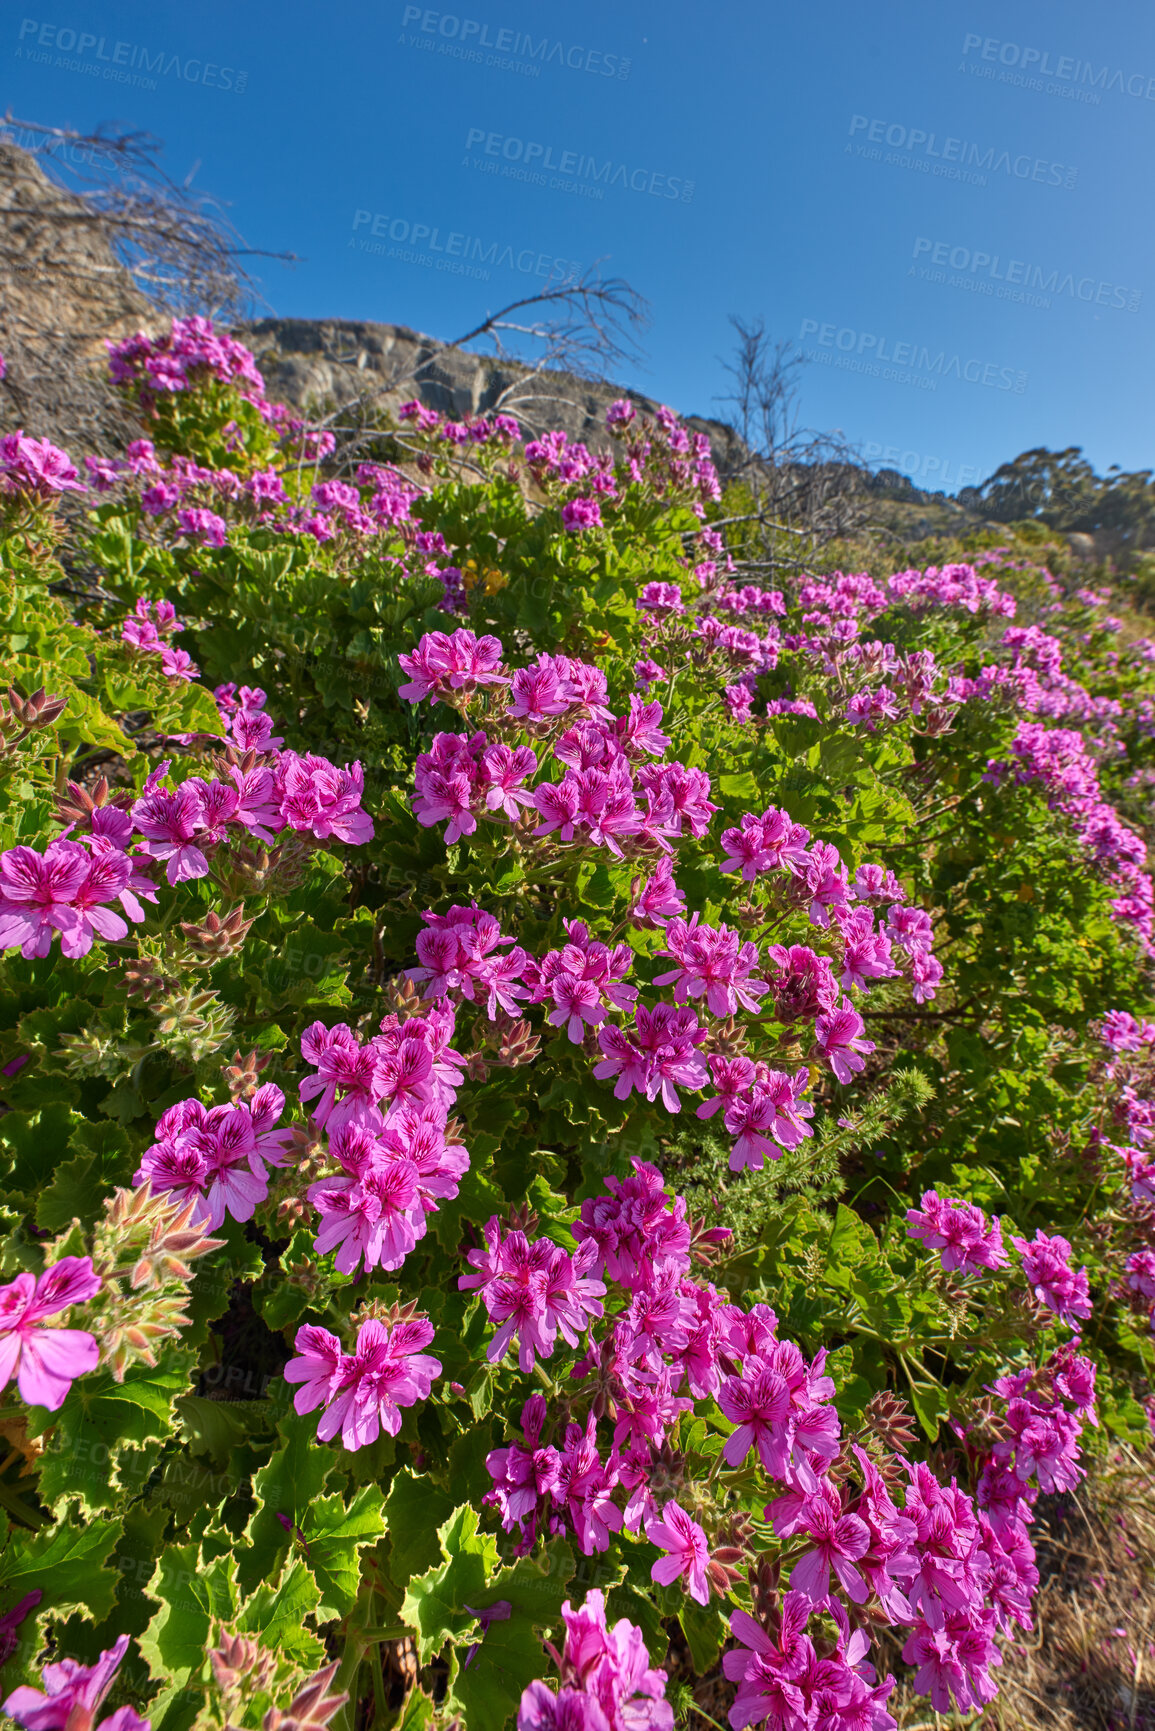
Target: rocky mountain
pixel 331 362
pixel 62 291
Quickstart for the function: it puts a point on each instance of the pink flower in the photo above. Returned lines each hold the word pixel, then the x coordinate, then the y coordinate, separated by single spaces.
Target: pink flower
pixel 960 1231
pixel 658 899
pixel 839 1541
pixel 1046 1265
pixel 774 1111
pixel 533 1292
pixel 46 1361
pixel 63 890
pixel 579 514
pixel 687 1551
pixel 440 665
pixel 218 1156
pixel 36 467
pixel 714 963
pixel 838 1036
pixel 72 1696
pixel 203 526
pixel 170 823
pixel 766 1671
pixel 363 1391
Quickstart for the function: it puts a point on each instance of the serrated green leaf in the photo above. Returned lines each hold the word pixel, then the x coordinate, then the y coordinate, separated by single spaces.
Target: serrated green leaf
pixel 105 1439
pixel 335 1534
pixel 414 1509
pixel 292 1482
pixel 435 1603
pixel 66 1563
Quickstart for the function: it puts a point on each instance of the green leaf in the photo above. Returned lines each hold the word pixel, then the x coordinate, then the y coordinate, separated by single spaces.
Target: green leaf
pixel 435 1602
pixel 418 1711
pixel 930 1403
pixel 80 1186
pixel 414 1509
pixel 106 1438
pixel 191 1598
pixel 291 1483
pixel 335 1535
pixel 705 1627
pixel 67 1563
pixel 277 1613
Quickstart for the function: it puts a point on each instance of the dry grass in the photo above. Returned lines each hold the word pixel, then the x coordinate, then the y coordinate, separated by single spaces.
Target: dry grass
pixel 1090 1663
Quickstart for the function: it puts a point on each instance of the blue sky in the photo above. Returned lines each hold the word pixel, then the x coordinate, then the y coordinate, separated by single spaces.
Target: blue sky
pixel 945 205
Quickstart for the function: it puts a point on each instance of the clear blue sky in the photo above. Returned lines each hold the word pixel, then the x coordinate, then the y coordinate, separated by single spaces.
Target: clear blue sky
pixel 770 126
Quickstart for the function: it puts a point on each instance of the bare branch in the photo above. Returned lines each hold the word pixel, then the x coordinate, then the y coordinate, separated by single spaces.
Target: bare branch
pixel 804 483
pixel 177 246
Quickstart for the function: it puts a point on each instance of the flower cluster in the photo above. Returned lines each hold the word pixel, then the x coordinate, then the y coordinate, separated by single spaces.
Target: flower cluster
pixel 36 469
pixel 385 1107
pixel 961 1233
pixel 533 1291
pixel 67 889
pixel 1057 758
pixel 188 353
pixel 606 1680
pixel 362 1392
pixel 147 631
pixel 184 825
pixel 218 1156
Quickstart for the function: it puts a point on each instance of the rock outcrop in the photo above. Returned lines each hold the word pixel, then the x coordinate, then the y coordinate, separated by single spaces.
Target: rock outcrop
pixel 62 292
pixel 325 363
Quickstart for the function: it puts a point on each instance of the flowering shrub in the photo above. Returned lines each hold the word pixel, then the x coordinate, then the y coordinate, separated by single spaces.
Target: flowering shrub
pixel 568 1117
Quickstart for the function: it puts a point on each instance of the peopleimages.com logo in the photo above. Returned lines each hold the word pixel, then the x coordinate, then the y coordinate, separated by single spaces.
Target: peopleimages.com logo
pixel 1015 279
pixel 454 251
pixel 1033 65
pixel 537 161
pixel 125 63
pixel 471 36
pixel 906 363
pixel 917 467
pixel 955 158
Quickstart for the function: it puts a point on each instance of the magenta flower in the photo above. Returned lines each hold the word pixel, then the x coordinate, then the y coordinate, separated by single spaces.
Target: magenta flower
pixel 441 664
pixel 39 894
pixel 839 1541
pixel 322 800
pixel 960 1231
pixel 838 1035
pixel 534 1291
pixel 579 514
pixel 766 1671
pixel 1047 1267
pixel 953 1657
pixel 658 899
pixel 687 1551
pixel 46 1361
pixel 203 526
pixel 36 467
pixel 72 1695
pixel 772 1113
pixel 173 824
pixel 363 1391
pixel 606 1678
pixel 218 1156
pixel 711 963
